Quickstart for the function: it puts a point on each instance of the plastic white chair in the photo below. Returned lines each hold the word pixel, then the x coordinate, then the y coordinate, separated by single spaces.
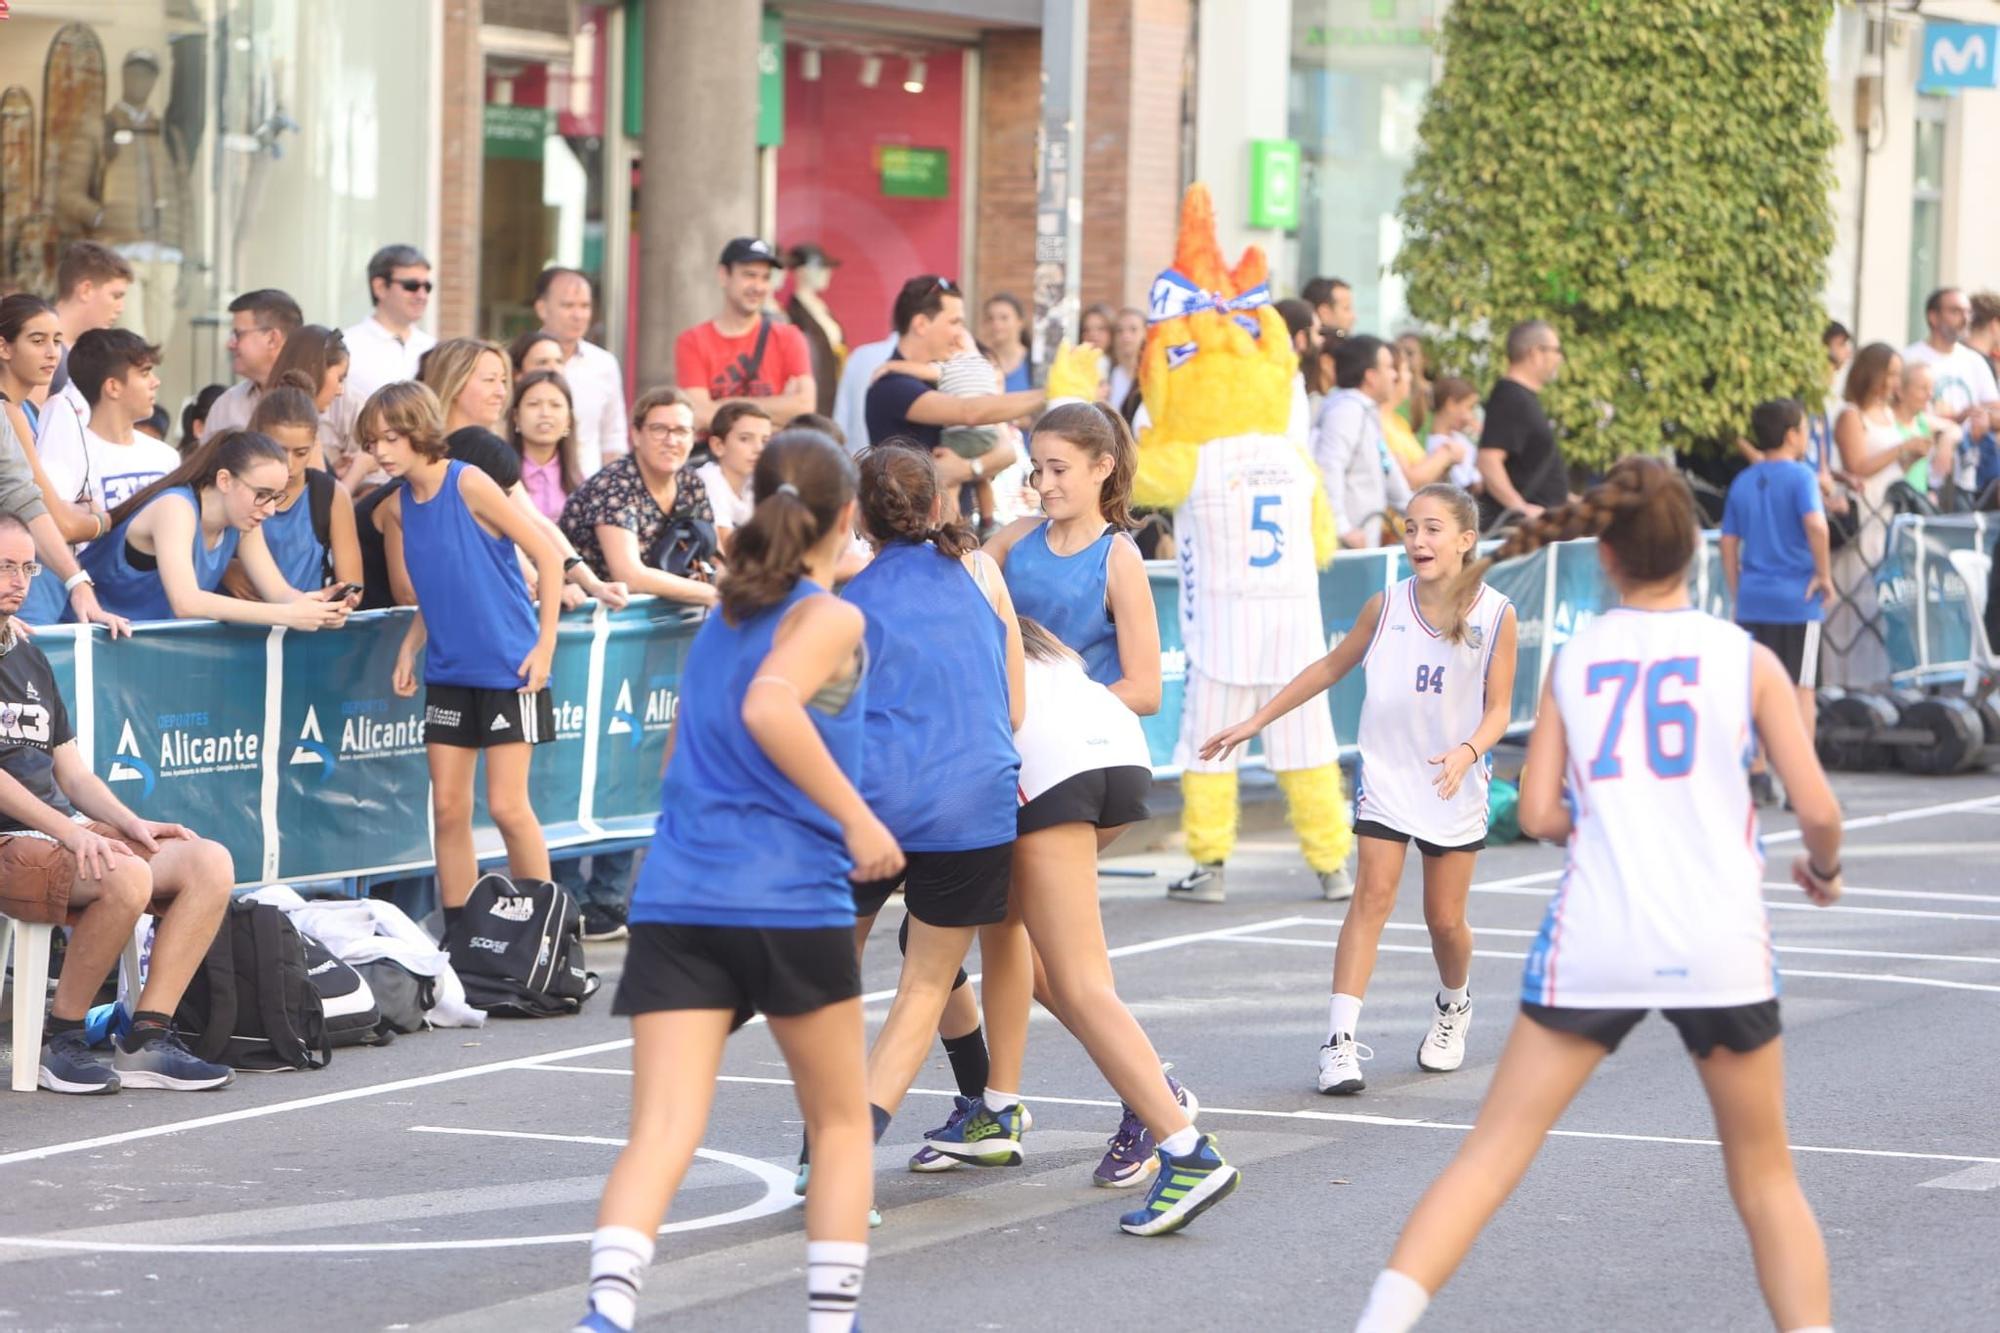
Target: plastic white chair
pixel 29 952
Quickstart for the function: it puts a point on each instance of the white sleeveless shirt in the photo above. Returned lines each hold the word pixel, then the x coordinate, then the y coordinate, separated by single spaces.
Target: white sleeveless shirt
pixel 1426 694
pixel 1073 725
pixel 1661 905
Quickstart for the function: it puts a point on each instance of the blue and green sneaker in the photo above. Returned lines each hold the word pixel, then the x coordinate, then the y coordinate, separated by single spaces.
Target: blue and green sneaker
pixel 1184 1189
pixel 984 1137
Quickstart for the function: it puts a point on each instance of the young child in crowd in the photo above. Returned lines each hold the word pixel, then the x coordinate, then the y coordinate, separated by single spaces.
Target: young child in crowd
pixel 1454 413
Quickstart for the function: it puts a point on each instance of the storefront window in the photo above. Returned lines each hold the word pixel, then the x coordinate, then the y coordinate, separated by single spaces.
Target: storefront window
pixel 1926 209
pixel 1360 72
pixel 219 145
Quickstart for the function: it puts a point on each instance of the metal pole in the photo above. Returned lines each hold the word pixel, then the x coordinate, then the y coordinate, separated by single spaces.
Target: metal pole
pixel 1059 203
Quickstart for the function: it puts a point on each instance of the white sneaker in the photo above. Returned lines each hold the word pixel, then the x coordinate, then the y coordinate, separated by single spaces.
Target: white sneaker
pixel 1443 1047
pixel 1340 1066
pixel 1336 886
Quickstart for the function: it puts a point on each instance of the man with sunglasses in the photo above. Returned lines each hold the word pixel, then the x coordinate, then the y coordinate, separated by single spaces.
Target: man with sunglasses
pixel 906 401
pixel 259 323
pixel 386 346
pixel 71 852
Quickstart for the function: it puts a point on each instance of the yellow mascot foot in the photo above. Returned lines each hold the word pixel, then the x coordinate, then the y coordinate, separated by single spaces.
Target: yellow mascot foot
pixel 1317 804
pixel 1208 818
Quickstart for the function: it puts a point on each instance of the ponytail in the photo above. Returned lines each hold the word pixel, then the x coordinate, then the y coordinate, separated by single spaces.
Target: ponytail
pixel 1100 432
pixel 229 450
pixel 899 493
pixel 1642 512
pixel 803 482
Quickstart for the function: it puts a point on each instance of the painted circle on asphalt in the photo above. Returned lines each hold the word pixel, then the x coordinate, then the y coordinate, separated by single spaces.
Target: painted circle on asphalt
pixel 777 1197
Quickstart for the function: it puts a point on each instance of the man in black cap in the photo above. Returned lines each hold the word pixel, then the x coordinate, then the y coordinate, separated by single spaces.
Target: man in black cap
pixel 743 353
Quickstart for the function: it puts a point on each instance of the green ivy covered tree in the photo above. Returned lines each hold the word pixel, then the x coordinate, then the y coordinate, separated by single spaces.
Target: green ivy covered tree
pixel 1651 177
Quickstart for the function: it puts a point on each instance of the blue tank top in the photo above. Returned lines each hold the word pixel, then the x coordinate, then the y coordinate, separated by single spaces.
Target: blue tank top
pixel 737 844
pixel 476 608
pixel 296 547
pixel 942 769
pixel 126 590
pixel 1066 594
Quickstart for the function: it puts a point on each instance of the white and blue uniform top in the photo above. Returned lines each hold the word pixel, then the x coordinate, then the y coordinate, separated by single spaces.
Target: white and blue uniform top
pixel 1661 904
pixel 128 580
pixel 737 844
pixel 1066 594
pixel 1426 694
pixel 941 762
pixel 477 612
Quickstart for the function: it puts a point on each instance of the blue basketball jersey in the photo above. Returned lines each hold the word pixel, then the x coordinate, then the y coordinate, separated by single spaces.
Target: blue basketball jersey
pixel 1066 594
pixel 476 608
pixel 126 589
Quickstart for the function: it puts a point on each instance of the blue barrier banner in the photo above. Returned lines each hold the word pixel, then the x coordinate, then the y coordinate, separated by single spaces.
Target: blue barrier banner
pixel 638 691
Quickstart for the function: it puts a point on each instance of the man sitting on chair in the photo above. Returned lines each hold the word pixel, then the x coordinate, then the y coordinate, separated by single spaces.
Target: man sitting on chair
pixel 100 869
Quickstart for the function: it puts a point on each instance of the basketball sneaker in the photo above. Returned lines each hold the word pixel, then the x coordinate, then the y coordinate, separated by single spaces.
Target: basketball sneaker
pixel 1183 1189
pixel 929 1159
pixel 1203 884
pixel 1131 1156
pixel 1443 1047
pixel 1340 1065
pixel 984 1137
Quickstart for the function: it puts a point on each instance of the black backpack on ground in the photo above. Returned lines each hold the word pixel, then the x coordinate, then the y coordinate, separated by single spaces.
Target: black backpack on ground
pixel 403 997
pixel 346 999
pixel 518 949
pixel 251 1004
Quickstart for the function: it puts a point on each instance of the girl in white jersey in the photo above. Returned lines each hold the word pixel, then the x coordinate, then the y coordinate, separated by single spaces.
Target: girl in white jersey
pixel 1638 761
pixel 1438 649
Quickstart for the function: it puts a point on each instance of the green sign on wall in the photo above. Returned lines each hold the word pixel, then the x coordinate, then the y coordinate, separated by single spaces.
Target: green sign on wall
pixel 517 133
pixel 914 173
pixel 1274 183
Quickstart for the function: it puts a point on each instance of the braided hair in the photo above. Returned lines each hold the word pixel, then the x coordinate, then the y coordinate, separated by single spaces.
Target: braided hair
pixel 899 494
pixel 1642 512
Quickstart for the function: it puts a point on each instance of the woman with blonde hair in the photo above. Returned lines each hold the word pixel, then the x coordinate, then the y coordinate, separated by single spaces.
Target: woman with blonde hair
pixel 473 379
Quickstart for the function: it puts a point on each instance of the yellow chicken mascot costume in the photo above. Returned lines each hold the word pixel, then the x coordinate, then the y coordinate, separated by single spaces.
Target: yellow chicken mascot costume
pixel 1225 448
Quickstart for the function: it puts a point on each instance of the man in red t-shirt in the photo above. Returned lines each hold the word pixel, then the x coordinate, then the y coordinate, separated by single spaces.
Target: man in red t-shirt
pixel 719 360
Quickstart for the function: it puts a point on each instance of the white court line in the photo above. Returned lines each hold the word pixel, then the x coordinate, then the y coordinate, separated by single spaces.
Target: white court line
pixel 1351 1118
pixel 1505 954
pixel 1940 896
pixel 497 1066
pixel 1515 889
pixel 1781 948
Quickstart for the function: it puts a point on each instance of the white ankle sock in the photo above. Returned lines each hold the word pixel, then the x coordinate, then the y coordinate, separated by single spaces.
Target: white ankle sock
pixel 1344 1016
pixel 1001 1101
pixel 834 1269
pixel 616 1256
pixel 1451 996
pixel 1395 1303
pixel 1816 1328
pixel 1182 1141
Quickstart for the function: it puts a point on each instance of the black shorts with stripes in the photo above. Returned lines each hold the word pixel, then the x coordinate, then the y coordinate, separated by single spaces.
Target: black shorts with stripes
pixel 469 718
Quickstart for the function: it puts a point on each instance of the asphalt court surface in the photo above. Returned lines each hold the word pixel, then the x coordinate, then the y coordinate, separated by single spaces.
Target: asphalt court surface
pixel 449 1181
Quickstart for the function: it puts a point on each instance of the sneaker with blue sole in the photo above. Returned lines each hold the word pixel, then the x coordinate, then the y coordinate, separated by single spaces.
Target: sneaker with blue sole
pixel 1131 1158
pixel 985 1137
pixel 68 1066
pixel 164 1062
pixel 1183 1189
pixel 929 1159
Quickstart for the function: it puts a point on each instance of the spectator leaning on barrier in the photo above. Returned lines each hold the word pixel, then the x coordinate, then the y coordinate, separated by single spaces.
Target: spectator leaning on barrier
pixel 743 353
pixel 259 324
pixel 113 370
pixel 645 520
pixel 1873 453
pixel 737 434
pixel 385 346
pixel 310 534
pixel 1362 482
pixel 70 851
pixel 1518 458
pixel 1776 559
pixel 596 384
pixel 541 426
pixel 171 543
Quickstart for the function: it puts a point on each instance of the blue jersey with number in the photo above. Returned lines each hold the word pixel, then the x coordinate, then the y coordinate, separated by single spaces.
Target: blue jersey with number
pixel 1426 695
pixel 1661 903
pixel 1066 594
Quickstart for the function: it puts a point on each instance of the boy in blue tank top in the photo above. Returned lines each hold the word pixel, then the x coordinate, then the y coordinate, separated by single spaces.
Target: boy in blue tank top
pixel 744 903
pixel 487 649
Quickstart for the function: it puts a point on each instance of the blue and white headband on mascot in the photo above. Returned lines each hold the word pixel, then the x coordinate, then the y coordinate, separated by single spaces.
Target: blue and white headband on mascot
pixel 1174 296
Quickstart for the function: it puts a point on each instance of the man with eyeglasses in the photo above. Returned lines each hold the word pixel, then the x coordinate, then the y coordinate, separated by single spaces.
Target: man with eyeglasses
pixel 930 324
pixel 385 347
pixel 259 323
pixel 71 852
pixel 1519 463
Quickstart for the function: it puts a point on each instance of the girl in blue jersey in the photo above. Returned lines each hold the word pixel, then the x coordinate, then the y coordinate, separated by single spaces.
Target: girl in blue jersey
pixel 307 558
pixel 170 544
pixel 1637 762
pixel 1079 576
pixel 944 696
pixel 745 902
pixel 487 648
pixel 1437 651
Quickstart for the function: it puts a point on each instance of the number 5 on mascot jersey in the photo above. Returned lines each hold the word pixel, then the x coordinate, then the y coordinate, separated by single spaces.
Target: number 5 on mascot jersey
pixel 1224 448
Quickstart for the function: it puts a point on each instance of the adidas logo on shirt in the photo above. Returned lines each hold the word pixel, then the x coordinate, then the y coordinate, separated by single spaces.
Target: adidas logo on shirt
pixel 499 724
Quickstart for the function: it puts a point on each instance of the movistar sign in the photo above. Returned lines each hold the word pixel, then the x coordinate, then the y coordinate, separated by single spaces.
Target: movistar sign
pixel 1960 55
